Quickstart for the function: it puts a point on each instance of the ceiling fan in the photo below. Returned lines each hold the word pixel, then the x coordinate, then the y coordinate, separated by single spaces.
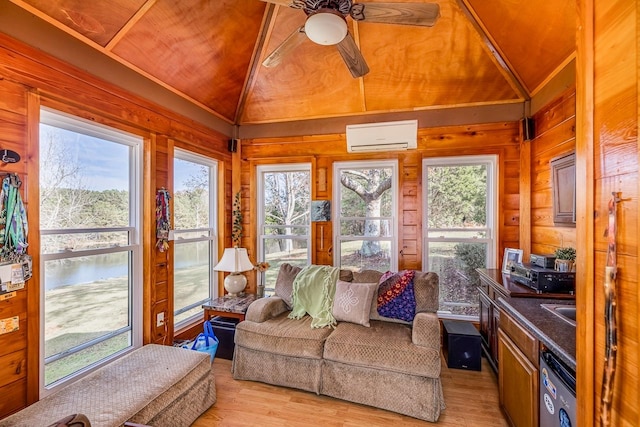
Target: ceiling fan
pixel 326 25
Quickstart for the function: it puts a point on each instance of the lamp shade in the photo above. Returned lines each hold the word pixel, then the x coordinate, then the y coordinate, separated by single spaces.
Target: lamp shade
pixel 325 28
pixel 234 260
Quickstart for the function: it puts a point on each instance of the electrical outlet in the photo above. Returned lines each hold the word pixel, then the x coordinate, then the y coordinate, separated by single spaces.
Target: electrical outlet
pixel 160 319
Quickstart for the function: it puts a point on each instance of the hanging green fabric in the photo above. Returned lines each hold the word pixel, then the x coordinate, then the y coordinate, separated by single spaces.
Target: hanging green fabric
pixel 13 219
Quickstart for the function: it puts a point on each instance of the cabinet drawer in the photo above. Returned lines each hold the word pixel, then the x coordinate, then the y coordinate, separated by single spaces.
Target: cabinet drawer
pixel 525 342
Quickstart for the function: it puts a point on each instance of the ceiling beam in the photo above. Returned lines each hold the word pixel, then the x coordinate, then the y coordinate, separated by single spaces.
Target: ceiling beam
pixel 512 77
pixel 266 27
pixel 494 113
pixel 130 23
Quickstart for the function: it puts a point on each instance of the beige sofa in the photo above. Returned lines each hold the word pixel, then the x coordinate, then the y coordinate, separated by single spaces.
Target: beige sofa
pixel 392 365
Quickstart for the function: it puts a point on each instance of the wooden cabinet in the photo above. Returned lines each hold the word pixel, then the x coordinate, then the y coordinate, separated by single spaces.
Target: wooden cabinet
pixel 489 321
pixel 518 382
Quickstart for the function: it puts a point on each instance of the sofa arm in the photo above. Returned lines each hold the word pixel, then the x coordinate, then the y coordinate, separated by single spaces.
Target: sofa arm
pixel 426 330
pixel 265 308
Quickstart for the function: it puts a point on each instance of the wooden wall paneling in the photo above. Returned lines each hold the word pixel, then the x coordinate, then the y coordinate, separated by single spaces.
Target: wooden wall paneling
pixel 11 405
pixel 16 306
pixel 555 136
pixel 555 112
pixel 31 193
pixel 612 99
pixel 148 236
pixel 13 367
pixel 524 190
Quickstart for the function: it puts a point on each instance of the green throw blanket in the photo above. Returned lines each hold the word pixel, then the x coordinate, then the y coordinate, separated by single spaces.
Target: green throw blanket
pixel 313 291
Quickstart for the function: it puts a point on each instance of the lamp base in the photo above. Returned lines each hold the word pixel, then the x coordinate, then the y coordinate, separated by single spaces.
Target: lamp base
pixel 235 283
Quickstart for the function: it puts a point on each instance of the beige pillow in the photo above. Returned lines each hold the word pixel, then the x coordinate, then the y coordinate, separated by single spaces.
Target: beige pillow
pixel 284 282
pixel 352 302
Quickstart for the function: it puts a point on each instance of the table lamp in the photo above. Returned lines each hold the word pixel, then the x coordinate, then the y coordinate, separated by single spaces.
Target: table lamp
pixel 234 261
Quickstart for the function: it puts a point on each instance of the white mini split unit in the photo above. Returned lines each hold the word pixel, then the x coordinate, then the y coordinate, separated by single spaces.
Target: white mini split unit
pixel 386 136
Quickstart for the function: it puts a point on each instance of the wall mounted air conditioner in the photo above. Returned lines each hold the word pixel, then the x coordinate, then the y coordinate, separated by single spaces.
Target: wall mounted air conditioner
pixel 385 136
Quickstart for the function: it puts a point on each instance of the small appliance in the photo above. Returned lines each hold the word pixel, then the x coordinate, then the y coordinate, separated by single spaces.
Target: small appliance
pixel 544 280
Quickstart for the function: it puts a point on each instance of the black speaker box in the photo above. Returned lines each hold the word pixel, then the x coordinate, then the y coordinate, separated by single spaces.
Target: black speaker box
pixel 528 128
pixel 461 345
pixel 232 145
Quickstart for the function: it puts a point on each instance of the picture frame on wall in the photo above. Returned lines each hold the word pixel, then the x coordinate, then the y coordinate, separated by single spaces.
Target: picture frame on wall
pixel 511 257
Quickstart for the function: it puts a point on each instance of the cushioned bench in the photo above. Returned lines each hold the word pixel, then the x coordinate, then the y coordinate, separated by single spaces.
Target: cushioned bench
pixel 155 385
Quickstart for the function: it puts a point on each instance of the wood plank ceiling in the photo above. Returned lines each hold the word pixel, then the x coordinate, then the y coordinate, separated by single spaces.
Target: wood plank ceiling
pixel 210 52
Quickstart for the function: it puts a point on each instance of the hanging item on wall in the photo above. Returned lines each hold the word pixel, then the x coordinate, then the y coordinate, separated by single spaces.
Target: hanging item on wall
pixel 163 220
pixel 611 329
pixel 15 263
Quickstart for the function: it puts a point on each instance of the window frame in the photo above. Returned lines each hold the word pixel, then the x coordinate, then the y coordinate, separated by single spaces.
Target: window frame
pixel 335 214
pixel 492 214
pixel 260 223
pixel 211 231
pixel 60 119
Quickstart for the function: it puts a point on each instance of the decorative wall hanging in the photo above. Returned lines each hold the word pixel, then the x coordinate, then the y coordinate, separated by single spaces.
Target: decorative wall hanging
pixel 15 264
pixel 163 219
pixel 611 329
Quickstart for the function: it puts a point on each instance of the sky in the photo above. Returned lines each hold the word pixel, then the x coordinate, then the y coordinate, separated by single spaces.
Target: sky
pixel 104 165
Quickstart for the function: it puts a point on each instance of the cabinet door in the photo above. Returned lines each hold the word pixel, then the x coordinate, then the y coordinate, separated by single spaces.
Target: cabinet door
pixel 518 380
pixel 493 333
pixel 485 317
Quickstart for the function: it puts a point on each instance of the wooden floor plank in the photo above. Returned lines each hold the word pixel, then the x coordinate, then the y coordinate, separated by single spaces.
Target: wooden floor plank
pixel 471 398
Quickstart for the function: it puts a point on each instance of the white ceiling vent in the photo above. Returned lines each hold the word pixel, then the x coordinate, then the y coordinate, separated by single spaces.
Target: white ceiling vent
pixel 386 136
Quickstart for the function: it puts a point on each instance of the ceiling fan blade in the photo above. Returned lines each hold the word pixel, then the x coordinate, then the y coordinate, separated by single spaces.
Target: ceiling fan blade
pixel 352 56
pixel 286 47
pixel 422 14
pixel 296 4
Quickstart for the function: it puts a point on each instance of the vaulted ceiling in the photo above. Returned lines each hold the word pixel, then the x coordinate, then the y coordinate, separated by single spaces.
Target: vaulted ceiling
pixel 210 52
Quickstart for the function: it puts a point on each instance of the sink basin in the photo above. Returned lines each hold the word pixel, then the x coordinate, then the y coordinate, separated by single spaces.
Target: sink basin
pixel 566 312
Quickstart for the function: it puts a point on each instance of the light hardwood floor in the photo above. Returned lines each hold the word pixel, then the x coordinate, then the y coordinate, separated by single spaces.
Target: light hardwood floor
pixel 471 398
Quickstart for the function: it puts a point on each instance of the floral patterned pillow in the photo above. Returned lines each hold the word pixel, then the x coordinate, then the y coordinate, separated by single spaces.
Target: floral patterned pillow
pixel 395 295
pixel 352 302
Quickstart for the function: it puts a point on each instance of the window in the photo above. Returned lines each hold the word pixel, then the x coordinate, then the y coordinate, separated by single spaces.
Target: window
pixel 195 235
pixel 366 196
pixel 284 201
pixel 460 227
pixel 90 245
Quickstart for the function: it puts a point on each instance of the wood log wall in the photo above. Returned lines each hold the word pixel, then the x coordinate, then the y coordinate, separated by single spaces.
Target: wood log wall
pixel 555 135
pixel 29 79
pixel 615 138
pixel 322 151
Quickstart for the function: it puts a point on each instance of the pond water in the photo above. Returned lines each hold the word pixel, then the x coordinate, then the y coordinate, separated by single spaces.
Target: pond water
pixel 74 271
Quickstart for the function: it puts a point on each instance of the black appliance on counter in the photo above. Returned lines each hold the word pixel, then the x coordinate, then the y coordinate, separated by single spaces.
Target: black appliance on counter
pixel 557 393
pixel 225 330
pixel 544 279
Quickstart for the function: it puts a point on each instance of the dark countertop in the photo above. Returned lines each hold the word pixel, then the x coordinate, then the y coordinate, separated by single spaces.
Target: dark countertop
pixel 523 305
pixel 556 334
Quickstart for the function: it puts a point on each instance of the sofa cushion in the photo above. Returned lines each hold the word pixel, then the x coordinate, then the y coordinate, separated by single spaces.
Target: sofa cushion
pixel 384 345
pixel 284 282
pixel 426 288
pixel 352 302
pixel 284 336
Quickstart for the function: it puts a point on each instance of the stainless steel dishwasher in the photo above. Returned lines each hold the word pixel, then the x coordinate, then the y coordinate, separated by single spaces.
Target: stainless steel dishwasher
pixel 557 392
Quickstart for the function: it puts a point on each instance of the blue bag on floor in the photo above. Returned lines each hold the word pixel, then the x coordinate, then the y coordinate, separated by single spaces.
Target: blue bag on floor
pixel 206 341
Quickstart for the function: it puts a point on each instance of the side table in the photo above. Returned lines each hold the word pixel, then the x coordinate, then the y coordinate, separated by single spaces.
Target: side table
pixel 235 307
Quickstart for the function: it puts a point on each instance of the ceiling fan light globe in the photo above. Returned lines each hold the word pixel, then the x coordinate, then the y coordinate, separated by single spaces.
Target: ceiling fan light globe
pixel 326 28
